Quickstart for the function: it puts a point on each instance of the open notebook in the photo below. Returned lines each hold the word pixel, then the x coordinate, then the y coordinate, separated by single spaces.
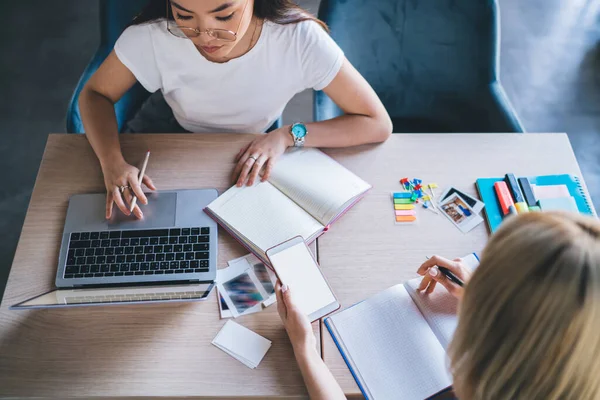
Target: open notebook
pixel 307 191
pixel 395 342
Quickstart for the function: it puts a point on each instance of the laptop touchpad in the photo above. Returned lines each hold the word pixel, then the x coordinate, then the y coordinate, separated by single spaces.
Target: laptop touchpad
pixel 159 213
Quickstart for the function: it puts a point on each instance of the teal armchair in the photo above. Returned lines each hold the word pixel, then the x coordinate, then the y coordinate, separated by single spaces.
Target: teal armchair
pixel 433 63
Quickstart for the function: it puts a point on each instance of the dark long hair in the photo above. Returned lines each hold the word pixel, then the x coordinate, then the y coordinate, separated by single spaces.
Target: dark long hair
pixel 281 12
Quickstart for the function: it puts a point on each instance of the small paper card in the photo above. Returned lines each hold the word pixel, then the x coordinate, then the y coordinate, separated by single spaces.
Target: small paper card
pixel 242 344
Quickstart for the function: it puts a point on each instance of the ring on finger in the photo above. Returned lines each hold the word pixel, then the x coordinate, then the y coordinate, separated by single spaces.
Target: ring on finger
pixel 123 188
pixel 255 158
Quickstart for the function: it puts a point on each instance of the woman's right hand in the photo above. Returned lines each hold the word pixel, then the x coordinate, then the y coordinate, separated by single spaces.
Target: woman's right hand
pixel 118 174
pixel 432 275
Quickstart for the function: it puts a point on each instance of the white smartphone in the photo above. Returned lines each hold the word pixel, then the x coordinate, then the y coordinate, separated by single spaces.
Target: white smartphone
pixel 296 267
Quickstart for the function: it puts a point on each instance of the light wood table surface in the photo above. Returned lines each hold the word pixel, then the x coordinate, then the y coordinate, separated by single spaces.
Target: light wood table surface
pixel 121 351
pixel 365 252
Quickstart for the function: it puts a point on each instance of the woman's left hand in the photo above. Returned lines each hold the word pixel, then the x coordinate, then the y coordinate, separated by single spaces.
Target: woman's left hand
pixel 260 155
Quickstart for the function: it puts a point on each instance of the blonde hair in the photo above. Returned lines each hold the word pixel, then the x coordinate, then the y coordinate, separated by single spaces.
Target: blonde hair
pixel 529 321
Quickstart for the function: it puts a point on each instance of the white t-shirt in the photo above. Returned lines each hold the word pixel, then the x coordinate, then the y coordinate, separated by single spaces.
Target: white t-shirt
pixel 244 95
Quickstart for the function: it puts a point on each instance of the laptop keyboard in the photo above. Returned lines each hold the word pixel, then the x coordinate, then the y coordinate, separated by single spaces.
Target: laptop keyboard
pixel 142 252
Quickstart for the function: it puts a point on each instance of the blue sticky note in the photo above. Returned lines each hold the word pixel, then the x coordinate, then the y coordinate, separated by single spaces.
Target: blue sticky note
pixel 402 195
pixel 559 204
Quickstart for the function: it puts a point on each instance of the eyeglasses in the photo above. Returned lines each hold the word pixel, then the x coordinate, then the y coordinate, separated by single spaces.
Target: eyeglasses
pixel 189 33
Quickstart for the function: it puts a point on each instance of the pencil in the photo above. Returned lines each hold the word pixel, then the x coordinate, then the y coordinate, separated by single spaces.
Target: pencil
pixel 140 178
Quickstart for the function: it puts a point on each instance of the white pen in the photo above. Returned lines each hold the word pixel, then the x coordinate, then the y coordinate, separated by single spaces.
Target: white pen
pixel 140 178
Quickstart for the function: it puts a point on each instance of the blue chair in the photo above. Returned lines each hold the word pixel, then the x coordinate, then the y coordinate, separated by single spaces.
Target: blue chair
pixel 433 63
pixel 115 16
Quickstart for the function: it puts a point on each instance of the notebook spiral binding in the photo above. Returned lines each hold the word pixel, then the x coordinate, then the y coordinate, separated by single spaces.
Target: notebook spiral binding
pixel 584 196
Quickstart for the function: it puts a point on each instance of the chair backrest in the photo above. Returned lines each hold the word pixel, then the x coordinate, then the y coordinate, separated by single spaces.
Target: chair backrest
pixel 415 53
pixel 115 16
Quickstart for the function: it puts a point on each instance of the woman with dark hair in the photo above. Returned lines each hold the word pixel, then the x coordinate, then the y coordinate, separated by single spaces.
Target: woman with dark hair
pixel 225 66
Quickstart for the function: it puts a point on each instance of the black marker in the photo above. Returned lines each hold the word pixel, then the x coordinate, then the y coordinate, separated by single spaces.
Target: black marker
pixel 451 276
pixel 448 274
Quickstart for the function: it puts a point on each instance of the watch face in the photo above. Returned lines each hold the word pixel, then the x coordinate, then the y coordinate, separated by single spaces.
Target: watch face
pixel 299 131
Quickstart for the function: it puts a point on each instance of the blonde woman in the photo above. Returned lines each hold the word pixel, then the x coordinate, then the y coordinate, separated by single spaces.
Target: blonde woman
pixel 529 319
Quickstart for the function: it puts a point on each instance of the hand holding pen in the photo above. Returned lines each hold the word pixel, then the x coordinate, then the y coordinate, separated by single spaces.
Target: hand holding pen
pixel 452 274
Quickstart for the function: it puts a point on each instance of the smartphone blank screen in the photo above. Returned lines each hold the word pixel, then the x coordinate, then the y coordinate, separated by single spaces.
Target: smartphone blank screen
pixel 297 269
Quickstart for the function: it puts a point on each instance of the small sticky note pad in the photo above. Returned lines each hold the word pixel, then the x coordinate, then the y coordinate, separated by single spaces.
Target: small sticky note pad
pixel 403 206
pixel 404 213
pixel 405 218
pixel 242 344
pixel 401 195
pixel 403 201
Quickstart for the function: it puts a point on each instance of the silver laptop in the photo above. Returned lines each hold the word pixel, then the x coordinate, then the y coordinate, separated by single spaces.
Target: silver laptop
pixel 170 255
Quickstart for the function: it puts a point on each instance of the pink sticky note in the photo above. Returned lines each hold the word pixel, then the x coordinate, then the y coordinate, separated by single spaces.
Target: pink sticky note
pixel 402 213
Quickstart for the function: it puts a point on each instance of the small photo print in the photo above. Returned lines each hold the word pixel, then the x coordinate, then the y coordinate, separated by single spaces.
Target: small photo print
pixel 457 209
pixel 242 292
pixel 459 212
pixel 264 277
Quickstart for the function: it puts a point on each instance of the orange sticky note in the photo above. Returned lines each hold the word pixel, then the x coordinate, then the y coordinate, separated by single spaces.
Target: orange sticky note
pixel 403 206
pixel 406 218
pixel 400 213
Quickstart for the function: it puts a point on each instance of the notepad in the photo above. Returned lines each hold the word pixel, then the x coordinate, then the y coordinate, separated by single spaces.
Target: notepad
pixel 559 204
pixel 242 344
pixel 395 342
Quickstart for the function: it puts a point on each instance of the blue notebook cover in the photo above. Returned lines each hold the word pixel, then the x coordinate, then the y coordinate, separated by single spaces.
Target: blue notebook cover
pixel 485 187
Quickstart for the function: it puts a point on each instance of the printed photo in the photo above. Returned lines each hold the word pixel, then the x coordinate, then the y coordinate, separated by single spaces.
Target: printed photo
pixel 457 209
pixel 263 275
pixel 243 292
pixel 459 212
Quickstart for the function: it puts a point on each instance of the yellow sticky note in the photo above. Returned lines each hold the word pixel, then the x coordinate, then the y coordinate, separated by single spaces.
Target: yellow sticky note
pixel 432 185
pixel 426 198
pixel 403 206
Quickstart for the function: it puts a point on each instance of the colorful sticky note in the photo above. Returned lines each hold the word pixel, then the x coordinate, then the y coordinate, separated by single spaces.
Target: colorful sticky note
pixel 403 201
pixel 406 218
pixel 403 206
pixel 402 195
pixel 400 213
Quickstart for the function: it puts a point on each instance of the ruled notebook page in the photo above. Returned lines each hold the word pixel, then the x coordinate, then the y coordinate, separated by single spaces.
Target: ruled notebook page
pixel 263 215
pixel 391 348
pixel 317 183
pixel 439 308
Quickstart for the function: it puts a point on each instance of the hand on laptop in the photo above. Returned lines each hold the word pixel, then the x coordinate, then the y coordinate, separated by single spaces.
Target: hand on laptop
pixel 123 175
pixel 258 157
pixel 296 323
pixel 432 275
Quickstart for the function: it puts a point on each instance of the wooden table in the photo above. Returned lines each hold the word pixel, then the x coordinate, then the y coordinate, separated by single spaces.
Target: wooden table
pixel 365 252
pixel 149 350
pixel 165 350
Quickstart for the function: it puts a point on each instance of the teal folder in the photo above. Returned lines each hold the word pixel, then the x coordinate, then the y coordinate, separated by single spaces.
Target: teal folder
pixel 485 187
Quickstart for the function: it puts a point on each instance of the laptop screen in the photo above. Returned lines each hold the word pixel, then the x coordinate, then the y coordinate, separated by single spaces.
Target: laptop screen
pixel 118 295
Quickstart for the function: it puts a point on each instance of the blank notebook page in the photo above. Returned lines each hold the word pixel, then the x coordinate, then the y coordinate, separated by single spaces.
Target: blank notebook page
pixel 264 215
pixel 316 182
pixel 391 347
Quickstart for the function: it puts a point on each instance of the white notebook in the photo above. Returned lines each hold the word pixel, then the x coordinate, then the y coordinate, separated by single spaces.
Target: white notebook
pixel 395 342
pixel 307 191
